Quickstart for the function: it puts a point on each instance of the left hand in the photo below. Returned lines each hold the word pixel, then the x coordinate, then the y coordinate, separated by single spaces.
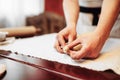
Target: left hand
pixel 92 44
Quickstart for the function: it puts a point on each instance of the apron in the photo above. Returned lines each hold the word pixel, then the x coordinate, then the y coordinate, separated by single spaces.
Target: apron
pixel 88 17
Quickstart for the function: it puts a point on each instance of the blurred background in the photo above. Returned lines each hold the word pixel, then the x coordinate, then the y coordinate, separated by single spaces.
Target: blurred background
pixel 44 14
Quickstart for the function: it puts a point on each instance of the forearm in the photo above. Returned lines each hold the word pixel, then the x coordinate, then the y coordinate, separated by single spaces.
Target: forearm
pixel 109 14
pixel 71 11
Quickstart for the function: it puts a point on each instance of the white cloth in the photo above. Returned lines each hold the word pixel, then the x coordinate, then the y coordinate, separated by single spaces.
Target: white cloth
pixel 42 47
pixel 85 19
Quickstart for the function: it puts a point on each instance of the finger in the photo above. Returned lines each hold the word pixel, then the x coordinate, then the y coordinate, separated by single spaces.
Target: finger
pixel 70 39
pixel 61 40
pixel 72 44
pixel 78 54
pixel 58 47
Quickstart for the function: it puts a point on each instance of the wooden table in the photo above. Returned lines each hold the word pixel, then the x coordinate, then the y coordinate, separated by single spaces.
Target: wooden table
pixel 40 69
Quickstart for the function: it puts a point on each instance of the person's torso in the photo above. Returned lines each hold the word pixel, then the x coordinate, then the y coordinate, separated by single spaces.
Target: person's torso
pixel 87 18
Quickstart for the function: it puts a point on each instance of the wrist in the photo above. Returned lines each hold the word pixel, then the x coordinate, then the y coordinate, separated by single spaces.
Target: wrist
pixel 104 34
pixel 70 24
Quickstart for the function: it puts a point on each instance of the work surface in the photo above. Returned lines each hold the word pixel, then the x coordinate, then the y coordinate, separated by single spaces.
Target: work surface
pixel 42 47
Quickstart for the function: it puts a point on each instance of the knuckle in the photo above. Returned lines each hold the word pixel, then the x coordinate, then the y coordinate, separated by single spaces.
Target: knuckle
pixel 95 56
pixel 88 49
pixel 75 57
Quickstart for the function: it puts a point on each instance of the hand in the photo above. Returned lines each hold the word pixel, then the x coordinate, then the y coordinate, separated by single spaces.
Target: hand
pixel 91 43
pixel 67 35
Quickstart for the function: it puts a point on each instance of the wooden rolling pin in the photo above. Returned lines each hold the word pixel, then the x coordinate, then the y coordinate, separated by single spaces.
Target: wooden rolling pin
pixel 2 69
pixel 21 31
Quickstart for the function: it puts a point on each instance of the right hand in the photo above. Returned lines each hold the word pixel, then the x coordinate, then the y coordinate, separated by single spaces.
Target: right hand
pixel 67 35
